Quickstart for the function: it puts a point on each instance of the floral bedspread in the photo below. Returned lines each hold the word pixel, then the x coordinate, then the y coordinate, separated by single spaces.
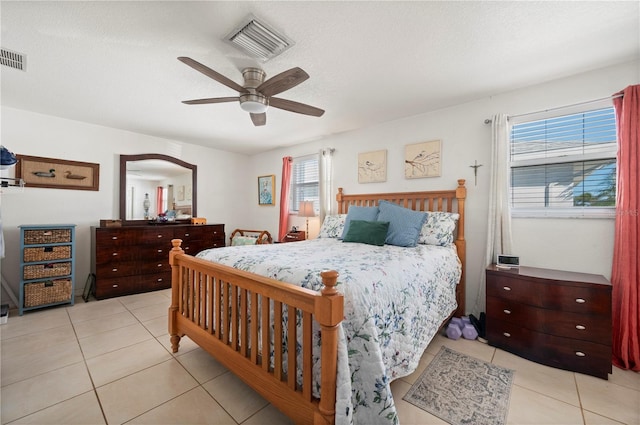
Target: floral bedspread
pixel 395 300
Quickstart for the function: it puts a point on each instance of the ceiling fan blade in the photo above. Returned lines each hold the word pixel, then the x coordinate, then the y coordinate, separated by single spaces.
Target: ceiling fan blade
pixel 212 74
pixel 299 108
pixel 259 119
pixel 283 81
pixel 210 100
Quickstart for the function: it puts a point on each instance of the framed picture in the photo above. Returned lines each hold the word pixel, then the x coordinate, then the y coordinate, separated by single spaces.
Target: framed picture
pixel 423 160
pixel 181 193
pixel 57 173
pixel 266 190
pixel 372 167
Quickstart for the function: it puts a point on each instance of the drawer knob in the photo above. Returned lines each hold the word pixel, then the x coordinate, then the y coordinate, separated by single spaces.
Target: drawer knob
pixel 114 238
pixel 115 285
pixel 160 280
pixel 159 251
pixel 114 254
pixel 580 327
pixel 506 288
pixel 114 270
pixel 580 300
pixel 507 334
pixel 159 265
pixel 159 236
pixel 580 354
pixel 507 311
pixel 186 234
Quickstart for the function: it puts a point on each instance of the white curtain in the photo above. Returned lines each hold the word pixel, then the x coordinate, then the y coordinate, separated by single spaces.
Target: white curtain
pixel 326 183
pixel 499 240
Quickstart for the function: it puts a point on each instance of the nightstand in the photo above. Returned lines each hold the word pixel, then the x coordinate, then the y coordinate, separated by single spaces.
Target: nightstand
pixel 294 237
pixel 557 318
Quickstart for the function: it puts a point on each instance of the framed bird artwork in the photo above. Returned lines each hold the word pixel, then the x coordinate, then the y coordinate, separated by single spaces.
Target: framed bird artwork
pixel 56 173
pixel 423 160
pixel 372 167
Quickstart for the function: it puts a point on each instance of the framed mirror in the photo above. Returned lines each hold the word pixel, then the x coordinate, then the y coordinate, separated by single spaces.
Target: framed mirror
pixel 155 185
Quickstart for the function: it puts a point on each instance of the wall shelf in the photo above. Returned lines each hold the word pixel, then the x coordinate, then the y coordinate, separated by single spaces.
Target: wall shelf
pixel 11 185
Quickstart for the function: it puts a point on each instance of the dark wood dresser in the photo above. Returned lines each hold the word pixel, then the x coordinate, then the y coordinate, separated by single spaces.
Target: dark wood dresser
pixel 557 318
pixel 133 259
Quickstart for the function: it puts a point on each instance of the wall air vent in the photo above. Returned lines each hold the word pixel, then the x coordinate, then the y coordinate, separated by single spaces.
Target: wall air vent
pixel 258 39
pixel 13 59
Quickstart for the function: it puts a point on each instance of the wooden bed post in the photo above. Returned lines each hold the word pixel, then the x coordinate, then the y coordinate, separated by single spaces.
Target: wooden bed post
pixel 173 308
pixel 339 196
pixel 330 308
pixel 461 245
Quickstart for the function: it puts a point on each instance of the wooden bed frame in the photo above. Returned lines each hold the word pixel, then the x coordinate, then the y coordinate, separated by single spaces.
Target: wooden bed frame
pixel 214 306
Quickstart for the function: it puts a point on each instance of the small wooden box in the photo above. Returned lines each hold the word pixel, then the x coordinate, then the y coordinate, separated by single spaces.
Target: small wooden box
pixel 110 223
pixel 198 220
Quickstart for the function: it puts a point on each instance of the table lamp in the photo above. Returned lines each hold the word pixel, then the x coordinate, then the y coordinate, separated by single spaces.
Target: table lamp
pixel 306 210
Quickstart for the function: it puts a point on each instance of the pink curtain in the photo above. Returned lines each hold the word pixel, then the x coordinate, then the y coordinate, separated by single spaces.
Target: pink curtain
pixel 159 200
pixel 625 274
pixel 284 197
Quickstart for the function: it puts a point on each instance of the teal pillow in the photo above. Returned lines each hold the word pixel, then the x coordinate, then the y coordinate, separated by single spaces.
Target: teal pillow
pixel 369 232
pixel 404 224
pixel 359 213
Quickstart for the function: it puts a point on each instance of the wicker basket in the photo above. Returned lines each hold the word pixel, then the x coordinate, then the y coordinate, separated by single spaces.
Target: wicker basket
pixel 37 271
pixel 47 292
pixel 46 253
pixel 32 237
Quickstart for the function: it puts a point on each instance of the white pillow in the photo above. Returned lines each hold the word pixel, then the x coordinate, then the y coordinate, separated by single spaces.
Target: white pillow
pixel 332 226
pixel 438 228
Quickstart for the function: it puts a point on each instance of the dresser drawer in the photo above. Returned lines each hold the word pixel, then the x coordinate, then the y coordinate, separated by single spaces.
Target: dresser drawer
pixel 565 353
pixel 565 324
pixel 128 268
pixel 107 288
pixel 157 235
pixel 576 299
pixel 115 254
pixel 106 237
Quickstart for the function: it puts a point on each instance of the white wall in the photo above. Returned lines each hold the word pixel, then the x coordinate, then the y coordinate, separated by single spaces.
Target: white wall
pixel 571 244
pixel 227 183
pixel 221 176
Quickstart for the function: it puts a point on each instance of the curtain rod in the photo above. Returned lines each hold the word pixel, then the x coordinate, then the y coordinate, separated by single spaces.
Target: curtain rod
pixel 489 120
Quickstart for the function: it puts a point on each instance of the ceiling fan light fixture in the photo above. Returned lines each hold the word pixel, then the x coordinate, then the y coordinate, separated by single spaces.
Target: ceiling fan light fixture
pixel 253 103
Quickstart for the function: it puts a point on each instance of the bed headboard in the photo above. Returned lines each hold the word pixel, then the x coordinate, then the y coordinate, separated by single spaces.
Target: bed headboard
pixel 438 200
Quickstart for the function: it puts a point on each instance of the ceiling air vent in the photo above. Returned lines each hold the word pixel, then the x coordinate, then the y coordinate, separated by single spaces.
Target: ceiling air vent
pixel 258 39
pixel 12 59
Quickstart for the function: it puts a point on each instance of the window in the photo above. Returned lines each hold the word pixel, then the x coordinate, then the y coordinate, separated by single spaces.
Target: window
pixel 305 182
pixel 564 166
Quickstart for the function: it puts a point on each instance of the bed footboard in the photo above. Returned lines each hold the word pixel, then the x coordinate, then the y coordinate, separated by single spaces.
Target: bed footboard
pixel 245 321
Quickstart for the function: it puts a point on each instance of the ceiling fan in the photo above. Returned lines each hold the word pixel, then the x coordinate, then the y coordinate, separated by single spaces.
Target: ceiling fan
pixel 256 94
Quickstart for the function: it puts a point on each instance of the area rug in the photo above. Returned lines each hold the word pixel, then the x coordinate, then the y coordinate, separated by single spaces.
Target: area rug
pixel 461 389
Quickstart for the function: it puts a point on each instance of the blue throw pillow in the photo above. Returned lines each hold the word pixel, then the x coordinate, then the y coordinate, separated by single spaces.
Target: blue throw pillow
pixel 359 213
pixel 404 224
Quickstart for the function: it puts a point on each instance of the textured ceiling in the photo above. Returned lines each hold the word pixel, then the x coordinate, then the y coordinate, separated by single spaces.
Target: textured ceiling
pixel 114 63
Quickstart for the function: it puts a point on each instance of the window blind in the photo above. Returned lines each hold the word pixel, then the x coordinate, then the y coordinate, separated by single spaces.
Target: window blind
pixel 305 182
pixel 567 161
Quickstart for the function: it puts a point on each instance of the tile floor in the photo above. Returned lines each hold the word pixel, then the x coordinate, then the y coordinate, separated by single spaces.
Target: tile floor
pixel 110 362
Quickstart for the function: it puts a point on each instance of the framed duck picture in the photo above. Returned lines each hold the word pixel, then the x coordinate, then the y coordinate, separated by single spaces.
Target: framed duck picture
pixel 54 173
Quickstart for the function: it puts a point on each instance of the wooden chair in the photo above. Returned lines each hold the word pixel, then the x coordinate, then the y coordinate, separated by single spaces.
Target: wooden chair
pixel 250 237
